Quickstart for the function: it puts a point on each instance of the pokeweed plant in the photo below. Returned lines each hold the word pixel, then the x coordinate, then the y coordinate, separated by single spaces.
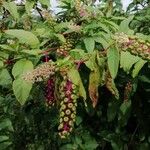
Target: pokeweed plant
pixel 78 54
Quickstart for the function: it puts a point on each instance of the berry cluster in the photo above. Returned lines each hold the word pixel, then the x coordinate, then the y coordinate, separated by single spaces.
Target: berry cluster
pixel 49 92
pixel 80 9
pixel 111 85
pixel 127 91
pixel 134 45
pixel 65 48
pixel 42 72
pixel 68 106
pixel 49 18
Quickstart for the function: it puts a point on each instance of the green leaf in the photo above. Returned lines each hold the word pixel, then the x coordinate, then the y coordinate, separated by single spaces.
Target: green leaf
pixel 112 24
pixel 112 110
pixel 102 41
pixel 144 79
pixel 113 61
pixel 124 25
pixel 60 37
pixel 4 55
pixel 127 61
pixel 68 147
pixel 6 47
pixel 143 37
pixel 5 145
pixel 21 90
pixel 78 120
pixel 124 114
pixel 34 52
pixel 3 138
pixel 12 8
pixel 24 37
pixel 137 67
pixel 5 78
pixel 45 2
pixel 6 124
pixel 22 66
pixel 89 142
pixel 89 44
pixel 125 107
pixel 104 27
pixel 29 6
pixel 1 64
pixel 77 54
pixel 144 146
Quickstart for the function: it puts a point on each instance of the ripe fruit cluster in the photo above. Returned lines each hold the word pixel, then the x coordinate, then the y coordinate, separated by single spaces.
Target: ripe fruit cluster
pixel 68 106
pixel 42 72
pixel 127 91
pixel 49 92
pixel 65 48
pixel 134 45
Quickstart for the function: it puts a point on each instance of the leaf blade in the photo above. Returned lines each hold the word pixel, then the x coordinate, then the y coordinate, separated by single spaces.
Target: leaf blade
pixel 24 37
pixel 113 61
pixel 21 90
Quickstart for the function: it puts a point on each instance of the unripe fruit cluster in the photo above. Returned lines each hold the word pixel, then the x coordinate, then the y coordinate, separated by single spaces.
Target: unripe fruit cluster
pixel 65 48
pixel 49 92
pixel 127 91
pixel 80 9
pixel 138 47
pixel 68 106
pixel 42 72
pixel 134 45
pixel 49 18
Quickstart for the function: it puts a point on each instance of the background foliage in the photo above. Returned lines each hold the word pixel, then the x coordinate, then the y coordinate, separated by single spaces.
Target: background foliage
pixel 118 117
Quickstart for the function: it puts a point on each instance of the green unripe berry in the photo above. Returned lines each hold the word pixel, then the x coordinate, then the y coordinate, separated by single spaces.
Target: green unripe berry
pixel 145 47
pixel 61 120
pixel 62 114
pixel 74 86
pixel 73 116
pixel 63 107
pixel 70 105
pixel 71 123
pixel 73 96
pixel 60 126
pixel 67 112
pixel 66 100
pixel 61 103
pixel 70 130
pixel 62 136
pixel 74 108
pixel 66 119
pixel 65 133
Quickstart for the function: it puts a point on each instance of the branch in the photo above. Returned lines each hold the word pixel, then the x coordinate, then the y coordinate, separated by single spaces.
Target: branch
pixel 48 50
pixel 39 11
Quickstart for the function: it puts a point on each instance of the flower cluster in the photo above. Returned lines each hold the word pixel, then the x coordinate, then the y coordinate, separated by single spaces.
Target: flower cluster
pixel 134 45
pixel 69 95
pixel 127 91
pixel 111 85
pixel 42 72
pixel 49 91
pixel 121 38
pixel 74 27
pixel 64 49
